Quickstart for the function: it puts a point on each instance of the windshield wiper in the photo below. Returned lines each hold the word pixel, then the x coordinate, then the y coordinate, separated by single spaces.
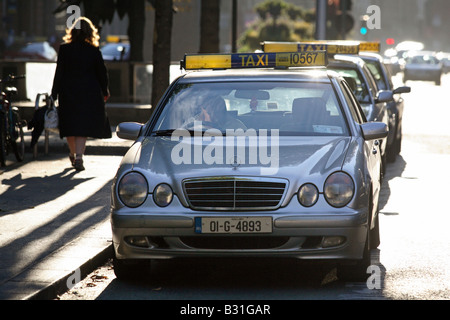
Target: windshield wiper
pixel 161 133
pixel 169 132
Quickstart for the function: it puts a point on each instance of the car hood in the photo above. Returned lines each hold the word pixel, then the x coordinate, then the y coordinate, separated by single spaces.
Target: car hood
pixel 297 159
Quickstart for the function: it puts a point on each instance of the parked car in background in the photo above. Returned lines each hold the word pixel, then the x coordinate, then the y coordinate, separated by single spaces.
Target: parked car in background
pixel 119 51
pixel 395 57
pixel 444 57
pixel 422 65
pixel 373 100
pixel 395 107
pixel 41 51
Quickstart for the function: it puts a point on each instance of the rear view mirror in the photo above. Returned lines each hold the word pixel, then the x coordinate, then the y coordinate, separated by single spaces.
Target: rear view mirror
pixel 384 96
pixel 374 130
pixel 252 94
pixel 129 130
pixel 402 90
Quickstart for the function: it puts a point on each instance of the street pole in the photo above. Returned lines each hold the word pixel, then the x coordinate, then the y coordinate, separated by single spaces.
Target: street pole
pixel 321 19
pixel 234 27
pixel 343 17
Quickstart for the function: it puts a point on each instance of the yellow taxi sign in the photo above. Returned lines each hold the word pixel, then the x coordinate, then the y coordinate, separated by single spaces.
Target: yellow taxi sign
pixel 369 46
pixel 329 47
pixel 254 60
pixel 372 46
pixel 116 39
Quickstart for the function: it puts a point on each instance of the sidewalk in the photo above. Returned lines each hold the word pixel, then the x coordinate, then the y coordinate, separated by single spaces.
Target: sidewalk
pixel 54 221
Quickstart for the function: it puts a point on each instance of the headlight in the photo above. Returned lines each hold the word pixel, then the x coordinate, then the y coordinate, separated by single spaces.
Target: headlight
pixel 339 189
pixel 133 189
pixel 162 195
pixel 308 195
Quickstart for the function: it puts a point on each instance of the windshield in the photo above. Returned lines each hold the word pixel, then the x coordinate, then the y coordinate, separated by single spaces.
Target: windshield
pixel 377 73
pixel 292 108
pixel 423 59
pixel 356 82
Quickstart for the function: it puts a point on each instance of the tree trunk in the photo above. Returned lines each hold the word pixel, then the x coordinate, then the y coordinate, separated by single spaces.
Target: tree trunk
pixel 161 49
pixel 136 26
pixel 209 26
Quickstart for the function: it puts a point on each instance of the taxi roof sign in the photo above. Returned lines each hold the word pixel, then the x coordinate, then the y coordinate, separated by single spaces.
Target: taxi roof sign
pixel 255 60
pixel 330 47
pixel 369 46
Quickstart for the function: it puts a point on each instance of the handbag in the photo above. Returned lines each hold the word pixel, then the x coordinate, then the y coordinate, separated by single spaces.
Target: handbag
pixel 51 119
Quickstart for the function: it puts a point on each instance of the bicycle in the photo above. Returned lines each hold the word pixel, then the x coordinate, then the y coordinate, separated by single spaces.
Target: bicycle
pixel 11 125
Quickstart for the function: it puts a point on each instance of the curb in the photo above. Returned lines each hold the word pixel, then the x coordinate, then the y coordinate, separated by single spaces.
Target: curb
pixel 58 287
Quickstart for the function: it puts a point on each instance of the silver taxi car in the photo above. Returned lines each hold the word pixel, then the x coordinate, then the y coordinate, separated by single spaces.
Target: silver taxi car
pixel 274 161
pixel 395 107
pixel 372 99
pixel 345 59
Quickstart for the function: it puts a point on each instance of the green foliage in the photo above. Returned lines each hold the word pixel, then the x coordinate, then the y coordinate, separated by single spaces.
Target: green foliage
pixel 277 21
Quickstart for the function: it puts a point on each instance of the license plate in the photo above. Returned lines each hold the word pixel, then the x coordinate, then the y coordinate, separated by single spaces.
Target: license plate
pixel 218 225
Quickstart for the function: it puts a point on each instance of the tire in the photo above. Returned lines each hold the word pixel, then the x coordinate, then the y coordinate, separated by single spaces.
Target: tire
pixel 18 142
pixel 374 235
pixel 392 152
pixel 437 81
pixel 2 140
pixel 398 145
pixel 356 271
pixel 131 269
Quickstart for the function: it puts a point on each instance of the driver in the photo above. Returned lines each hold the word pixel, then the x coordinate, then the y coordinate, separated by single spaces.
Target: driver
pixel 214 114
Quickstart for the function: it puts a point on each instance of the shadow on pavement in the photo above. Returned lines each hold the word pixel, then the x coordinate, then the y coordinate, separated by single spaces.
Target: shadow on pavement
pixel 31 192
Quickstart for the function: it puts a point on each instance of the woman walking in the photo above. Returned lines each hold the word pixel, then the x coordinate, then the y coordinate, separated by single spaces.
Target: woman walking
pixel 81 85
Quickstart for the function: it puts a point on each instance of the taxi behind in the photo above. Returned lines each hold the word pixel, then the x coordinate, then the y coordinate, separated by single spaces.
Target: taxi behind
pixel 250 155
pixel 345 59
pixel 395 107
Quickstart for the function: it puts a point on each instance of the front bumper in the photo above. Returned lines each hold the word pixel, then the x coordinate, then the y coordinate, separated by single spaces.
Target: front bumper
pixel 302 236
pixel 414 74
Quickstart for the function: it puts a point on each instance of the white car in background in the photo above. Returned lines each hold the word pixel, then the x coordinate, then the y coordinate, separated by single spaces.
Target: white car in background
pixel 423 65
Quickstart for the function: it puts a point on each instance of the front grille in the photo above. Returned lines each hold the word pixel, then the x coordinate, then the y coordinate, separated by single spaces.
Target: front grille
pixel 234 193
pixel 234 243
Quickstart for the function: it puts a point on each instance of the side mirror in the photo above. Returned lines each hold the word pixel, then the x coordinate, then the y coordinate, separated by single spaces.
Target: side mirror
pixel 374 130
pixel 384 96
pixel 129 130
pixel 402 90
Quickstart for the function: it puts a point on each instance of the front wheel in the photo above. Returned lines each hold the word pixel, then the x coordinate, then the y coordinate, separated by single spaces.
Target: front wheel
pixel 131 269
pixel 18 141
pixel 356 271
pixel 2 140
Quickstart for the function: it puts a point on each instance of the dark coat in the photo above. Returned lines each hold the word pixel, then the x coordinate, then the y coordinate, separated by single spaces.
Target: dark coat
pixel 80 84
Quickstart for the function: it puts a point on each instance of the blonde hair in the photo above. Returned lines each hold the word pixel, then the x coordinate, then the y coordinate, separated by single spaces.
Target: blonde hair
pixel 83 30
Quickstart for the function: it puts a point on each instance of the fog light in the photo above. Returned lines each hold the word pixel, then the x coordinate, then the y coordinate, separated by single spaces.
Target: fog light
pixel 163 195
pixel 333 241
pixel 137 241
